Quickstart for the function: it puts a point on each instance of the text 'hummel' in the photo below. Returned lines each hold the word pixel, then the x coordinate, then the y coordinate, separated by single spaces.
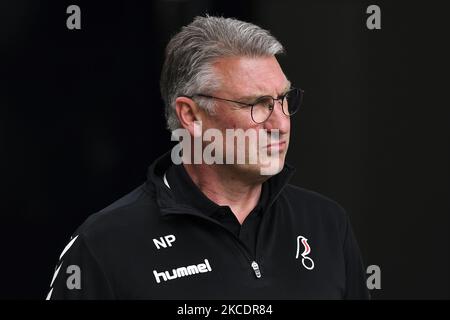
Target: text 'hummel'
pixel 182 271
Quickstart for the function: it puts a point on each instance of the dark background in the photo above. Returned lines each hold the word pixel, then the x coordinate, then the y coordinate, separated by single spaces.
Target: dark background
pixel 81 119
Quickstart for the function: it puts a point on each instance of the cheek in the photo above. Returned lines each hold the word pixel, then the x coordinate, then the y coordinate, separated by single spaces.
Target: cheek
pixel 286 125
pixel 236 120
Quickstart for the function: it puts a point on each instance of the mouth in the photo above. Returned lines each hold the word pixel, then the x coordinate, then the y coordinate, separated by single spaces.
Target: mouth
pixel 280 146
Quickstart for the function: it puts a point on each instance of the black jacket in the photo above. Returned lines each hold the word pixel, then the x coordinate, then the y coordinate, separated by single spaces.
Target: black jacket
pixel 149 246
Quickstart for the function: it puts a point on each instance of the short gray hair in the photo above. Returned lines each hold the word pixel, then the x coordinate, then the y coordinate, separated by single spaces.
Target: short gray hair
pixel 189 56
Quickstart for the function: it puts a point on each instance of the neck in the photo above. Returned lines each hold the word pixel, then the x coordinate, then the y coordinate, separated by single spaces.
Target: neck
pixel 226 187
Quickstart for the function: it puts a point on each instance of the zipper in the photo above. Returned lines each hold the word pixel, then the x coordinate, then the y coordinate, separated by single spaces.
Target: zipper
pixel 188 211
pixel 255 267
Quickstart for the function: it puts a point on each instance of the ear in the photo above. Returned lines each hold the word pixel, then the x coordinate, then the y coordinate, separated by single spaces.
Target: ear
pixel 188 112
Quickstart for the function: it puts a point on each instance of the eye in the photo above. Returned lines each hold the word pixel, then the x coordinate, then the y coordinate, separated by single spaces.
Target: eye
pixel 266 102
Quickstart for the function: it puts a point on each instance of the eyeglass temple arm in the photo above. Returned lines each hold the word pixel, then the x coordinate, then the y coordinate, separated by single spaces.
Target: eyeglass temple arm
pixel 212 97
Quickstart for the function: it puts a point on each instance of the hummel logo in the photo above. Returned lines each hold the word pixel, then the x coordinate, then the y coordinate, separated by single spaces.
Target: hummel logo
pixel 182 271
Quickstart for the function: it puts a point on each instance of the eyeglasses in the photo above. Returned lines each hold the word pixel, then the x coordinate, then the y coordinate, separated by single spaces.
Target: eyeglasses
pixel 262 108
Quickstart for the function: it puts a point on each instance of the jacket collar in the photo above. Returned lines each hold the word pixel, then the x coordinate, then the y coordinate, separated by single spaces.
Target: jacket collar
pixel 166 201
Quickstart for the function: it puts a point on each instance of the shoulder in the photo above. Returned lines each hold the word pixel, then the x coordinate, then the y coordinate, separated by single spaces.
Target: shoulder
pixel 125 219
pixel 315 208
pixel 311 198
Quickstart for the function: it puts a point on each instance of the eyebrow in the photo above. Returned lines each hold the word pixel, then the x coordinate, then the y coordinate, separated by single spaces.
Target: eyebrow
pixel 254 97
pixel 287 87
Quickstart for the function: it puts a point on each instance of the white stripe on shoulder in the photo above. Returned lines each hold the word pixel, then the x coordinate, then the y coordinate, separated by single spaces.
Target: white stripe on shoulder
pixel 165 181
pixel 55 274
pixel 68 247
pixel 49 294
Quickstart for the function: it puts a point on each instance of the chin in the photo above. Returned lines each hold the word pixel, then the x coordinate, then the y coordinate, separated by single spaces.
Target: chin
pixel 271 168
pixel 272 164
pixel 262 171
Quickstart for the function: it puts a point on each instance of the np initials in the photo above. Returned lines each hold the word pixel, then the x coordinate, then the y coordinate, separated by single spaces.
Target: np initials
pixel 164 241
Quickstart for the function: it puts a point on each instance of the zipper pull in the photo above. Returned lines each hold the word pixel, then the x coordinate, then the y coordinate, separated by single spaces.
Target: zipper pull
pixel 255 267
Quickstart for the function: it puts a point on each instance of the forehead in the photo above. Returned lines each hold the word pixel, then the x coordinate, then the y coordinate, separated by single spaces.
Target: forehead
pixel 244 76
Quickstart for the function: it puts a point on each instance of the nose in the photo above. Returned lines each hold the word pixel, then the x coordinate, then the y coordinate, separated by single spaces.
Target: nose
pixel 278 120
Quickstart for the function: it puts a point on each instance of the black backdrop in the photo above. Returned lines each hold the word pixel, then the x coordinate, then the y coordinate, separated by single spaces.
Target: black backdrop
pixel 81 119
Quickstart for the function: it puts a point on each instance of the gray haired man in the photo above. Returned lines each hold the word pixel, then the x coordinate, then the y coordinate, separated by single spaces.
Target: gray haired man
pixel 209 224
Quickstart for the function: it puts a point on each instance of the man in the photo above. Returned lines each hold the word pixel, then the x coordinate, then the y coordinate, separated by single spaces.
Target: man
pixel 219 225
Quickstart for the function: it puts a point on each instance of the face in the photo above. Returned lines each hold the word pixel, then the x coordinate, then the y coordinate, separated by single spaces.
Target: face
pixel 245 79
